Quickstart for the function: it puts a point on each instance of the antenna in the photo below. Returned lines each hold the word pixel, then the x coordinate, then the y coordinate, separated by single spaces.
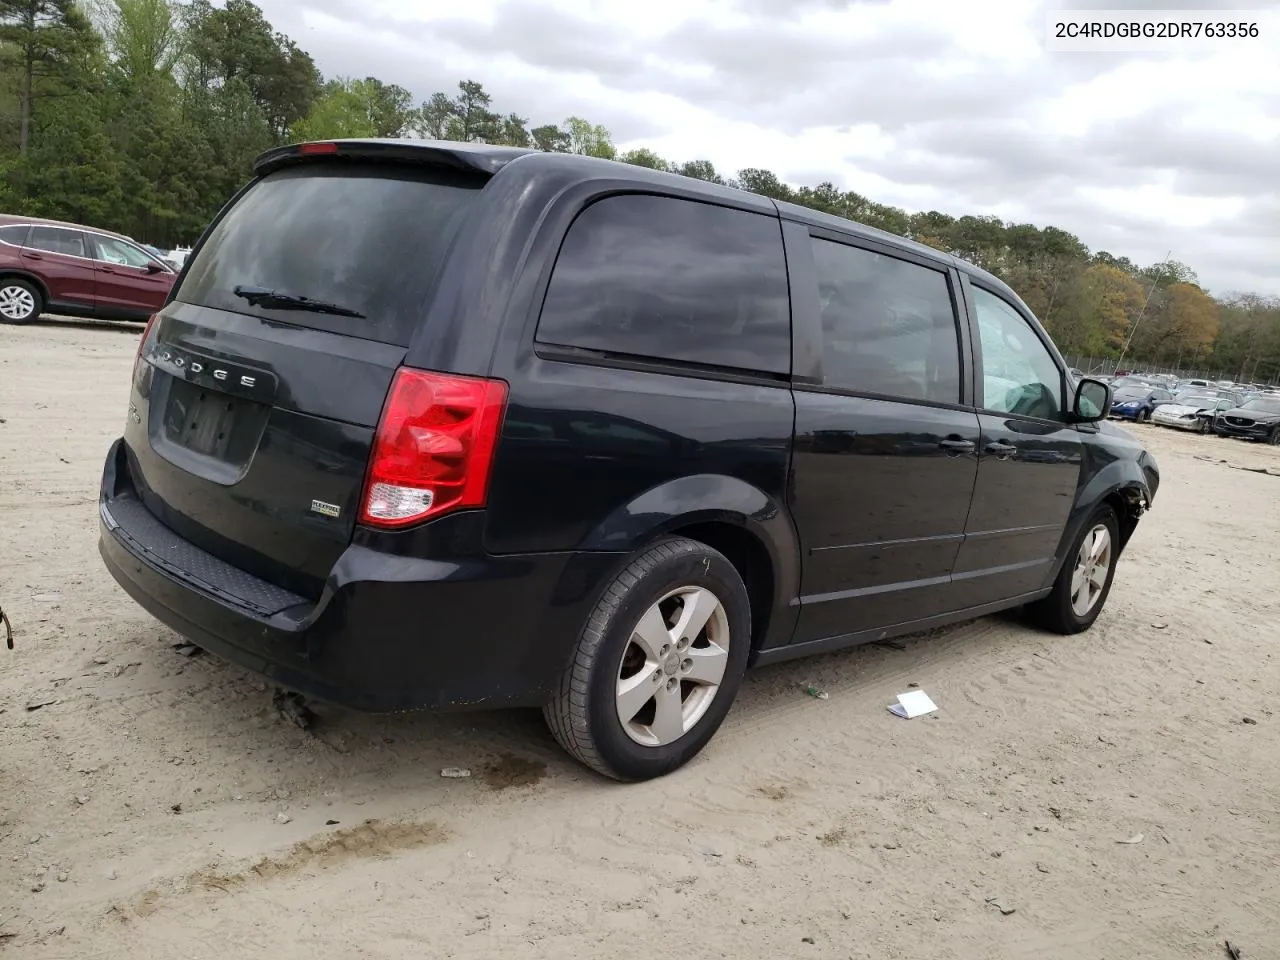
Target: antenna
pixel 1141 313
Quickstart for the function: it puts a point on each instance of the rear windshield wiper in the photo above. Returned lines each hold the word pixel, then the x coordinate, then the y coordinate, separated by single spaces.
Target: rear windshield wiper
pixel 263 297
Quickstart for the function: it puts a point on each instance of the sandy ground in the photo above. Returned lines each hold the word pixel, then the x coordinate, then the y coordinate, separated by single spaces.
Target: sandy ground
pixel 142 807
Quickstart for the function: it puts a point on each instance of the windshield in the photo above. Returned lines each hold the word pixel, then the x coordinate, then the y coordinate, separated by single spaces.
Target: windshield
pixel 1198 401
pixel 1263 405
pixel 367 239
pixel 1131 382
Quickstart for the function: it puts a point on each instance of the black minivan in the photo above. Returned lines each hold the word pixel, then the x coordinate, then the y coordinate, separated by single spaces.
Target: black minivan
pixel 441 426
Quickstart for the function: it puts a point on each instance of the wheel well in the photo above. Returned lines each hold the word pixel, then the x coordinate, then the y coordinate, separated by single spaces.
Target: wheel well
pixel 34 281
pixel 1129 505
pixel 749 557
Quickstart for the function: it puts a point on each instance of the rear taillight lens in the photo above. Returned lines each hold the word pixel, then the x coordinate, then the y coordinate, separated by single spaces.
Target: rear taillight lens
pixel 433 448
pixel 142 344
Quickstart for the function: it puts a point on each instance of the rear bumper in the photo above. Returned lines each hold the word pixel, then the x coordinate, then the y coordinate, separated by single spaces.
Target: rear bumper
pixel 389 633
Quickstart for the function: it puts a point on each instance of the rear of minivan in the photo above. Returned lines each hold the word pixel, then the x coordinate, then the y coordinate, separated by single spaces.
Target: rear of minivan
pixel 423 424
pixel 270 493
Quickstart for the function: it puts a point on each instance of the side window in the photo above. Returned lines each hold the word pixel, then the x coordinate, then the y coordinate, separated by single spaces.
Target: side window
pixel 111 250
pixel 57 240
pixel 15 234
pixel 1019 374
pixel 889 326
pixel 672 279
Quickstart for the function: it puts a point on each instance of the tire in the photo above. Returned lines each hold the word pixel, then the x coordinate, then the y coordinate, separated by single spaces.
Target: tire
pixel 1274 438
pixel 1204 427
pixel 613 658
pixel 1057 611
pixel 19 301
pixel 1144 416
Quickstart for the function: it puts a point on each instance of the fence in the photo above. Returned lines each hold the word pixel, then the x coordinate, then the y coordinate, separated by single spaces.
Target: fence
pixel 1108 365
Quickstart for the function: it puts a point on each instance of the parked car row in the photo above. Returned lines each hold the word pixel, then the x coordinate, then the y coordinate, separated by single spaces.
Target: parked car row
pixel 79 271
pixel 1248 412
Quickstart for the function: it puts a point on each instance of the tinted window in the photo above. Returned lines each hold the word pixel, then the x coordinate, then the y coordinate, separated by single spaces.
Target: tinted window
pixel 57 240
pixel 368 239
pixel 15 233
pixel 888 325
pixel 111 250
pixel 1018 372
pixel 674 280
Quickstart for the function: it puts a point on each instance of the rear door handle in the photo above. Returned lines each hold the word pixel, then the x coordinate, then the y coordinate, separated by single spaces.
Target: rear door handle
pixel 956 445
pixel 31 256
pixel 1001 451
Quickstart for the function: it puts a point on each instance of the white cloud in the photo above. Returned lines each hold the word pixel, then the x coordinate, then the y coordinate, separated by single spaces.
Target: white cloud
pixel 918 103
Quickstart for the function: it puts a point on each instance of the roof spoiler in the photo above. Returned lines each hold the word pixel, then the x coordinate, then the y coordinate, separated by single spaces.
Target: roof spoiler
pixel 468 158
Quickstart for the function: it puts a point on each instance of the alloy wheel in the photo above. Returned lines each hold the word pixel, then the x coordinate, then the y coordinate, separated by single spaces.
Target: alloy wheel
pixel 16 303
pixel 673 666
pixel 1093 562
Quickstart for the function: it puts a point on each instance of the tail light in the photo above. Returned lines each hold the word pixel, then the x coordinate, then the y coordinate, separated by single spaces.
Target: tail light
pixel 434 447
pixel 142 344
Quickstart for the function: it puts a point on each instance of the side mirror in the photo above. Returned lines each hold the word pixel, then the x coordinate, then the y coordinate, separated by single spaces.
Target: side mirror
pixel 1092 401
pixel 153 267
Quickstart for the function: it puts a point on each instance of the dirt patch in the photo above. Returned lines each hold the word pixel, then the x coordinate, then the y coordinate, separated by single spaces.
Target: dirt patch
pixel 371 839
pixel 510 770
pixel 834 837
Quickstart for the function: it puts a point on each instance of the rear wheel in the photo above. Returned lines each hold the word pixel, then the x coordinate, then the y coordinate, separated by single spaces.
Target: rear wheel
pixel 657 665
pixel 1084 582
pixel 19 301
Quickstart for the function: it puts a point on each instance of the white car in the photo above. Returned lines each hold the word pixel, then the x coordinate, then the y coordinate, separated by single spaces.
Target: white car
pixel 177 257
pixel 1190 413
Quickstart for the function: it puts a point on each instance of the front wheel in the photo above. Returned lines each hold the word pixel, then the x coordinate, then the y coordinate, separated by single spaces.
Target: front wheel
pixel 1084 581
pixel 1144 416
pixel 1274 438
pixel 657 664
pixel 19 301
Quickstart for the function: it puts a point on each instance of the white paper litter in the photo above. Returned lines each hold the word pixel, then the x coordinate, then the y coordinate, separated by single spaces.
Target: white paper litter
pixel 915 703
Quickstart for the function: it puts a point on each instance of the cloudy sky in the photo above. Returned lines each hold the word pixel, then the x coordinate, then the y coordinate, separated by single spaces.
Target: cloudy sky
pixel 924 104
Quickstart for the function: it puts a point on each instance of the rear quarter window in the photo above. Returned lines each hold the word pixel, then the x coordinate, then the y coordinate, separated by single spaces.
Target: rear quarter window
pixel 15 234
pixel 675 280
pixel 367 238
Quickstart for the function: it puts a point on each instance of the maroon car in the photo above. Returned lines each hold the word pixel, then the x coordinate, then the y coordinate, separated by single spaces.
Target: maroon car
pixel 75 270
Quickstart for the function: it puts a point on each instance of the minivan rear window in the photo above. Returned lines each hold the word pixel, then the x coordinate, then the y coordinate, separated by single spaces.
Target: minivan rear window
pixel 668 279
pixel 368 239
